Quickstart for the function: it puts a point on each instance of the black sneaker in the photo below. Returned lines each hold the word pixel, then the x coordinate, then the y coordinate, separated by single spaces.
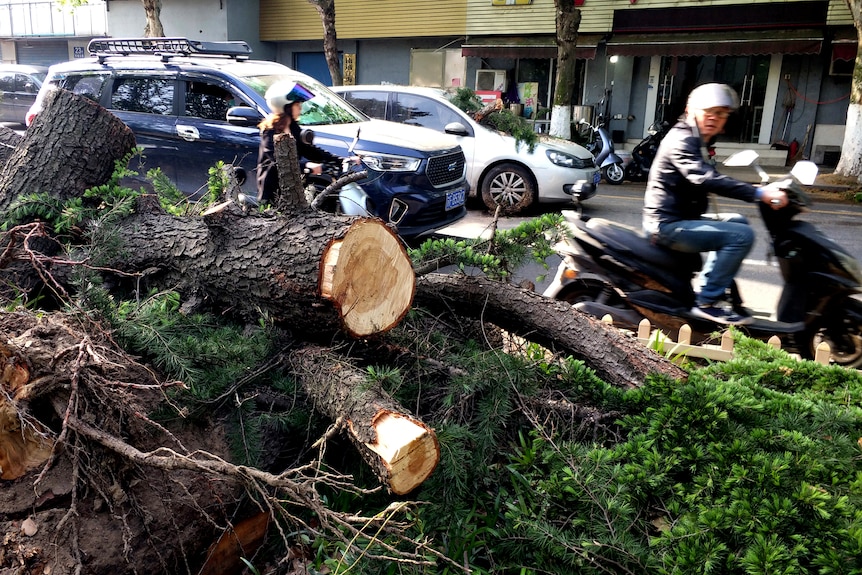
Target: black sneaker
pixel 720 315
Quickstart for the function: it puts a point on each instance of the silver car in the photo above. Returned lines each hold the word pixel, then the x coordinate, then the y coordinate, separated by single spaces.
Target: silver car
pixel 500 169
pixel 19 85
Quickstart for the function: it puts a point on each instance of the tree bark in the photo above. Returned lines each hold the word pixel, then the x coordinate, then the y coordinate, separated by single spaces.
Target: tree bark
pixel 9 140
pixel 400 449
pixel 616 358
pixel 71 146
pixel 326 9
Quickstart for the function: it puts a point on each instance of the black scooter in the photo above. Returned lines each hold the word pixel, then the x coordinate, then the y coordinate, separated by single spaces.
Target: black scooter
pixel 609 268
pixel 637 169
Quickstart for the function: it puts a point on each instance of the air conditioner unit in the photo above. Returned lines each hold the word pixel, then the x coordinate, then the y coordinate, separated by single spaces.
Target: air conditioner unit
pixel 494 80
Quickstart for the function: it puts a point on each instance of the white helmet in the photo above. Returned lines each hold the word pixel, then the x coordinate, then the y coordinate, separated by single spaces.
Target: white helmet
pixel 281 94
pixel 713 95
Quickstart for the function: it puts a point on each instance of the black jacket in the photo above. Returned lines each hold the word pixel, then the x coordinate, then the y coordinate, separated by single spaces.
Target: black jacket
pixel 681 178
pixel 267 171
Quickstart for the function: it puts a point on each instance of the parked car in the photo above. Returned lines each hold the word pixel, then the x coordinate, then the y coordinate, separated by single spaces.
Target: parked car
pixel 19 85
pixel 499 168
pixel 192 103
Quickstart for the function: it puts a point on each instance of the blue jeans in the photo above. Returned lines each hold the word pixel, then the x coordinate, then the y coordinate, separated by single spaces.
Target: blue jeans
pixel 727 237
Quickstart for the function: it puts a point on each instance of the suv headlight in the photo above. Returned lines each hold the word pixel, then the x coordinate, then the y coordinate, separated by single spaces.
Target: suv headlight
pixel 567 160
pixel 390 163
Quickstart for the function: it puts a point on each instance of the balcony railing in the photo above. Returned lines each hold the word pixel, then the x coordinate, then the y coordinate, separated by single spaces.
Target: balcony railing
pixel 27 19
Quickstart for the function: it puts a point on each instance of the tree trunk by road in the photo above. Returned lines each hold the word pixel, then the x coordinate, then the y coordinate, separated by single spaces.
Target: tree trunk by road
pixel 153 12
pixel 326 9
pixel 568 21
pixel 850 163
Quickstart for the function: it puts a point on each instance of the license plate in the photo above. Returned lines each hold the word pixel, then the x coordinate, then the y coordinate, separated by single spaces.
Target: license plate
pixel 455 199
pixel 597 177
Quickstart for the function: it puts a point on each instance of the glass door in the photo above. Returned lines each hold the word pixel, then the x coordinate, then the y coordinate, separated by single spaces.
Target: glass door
pixel 746 74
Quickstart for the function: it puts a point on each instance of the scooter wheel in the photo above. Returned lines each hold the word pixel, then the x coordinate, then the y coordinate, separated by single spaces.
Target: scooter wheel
pixel 614 174
pixel 843 334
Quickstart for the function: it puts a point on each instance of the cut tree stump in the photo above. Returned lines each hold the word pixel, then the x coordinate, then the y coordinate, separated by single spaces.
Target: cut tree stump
pixel 401 450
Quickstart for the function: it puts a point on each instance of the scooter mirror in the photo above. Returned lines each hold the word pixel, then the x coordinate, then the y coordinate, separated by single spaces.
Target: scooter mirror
pixel 743 158
pixel 805 172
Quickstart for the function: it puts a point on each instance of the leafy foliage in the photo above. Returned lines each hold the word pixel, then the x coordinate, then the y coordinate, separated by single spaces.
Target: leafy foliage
pixel 502 120
pixel 497 258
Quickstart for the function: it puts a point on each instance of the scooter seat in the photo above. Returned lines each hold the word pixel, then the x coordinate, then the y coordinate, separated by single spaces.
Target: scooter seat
pixel 624 239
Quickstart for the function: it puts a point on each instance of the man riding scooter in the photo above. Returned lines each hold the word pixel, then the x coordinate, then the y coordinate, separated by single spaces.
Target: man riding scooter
pixel 677 196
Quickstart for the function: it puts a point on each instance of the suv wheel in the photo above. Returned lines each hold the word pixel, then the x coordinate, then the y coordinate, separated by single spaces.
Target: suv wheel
pixel 510 187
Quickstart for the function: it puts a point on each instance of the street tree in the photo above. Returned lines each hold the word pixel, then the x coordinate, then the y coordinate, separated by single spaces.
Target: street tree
pixel 850 163
pixel 568 19
pixel 152 10
pixel 326 9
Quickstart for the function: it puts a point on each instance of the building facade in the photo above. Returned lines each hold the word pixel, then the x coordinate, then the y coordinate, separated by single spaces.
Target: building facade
pixel 790 61
pixel 39 32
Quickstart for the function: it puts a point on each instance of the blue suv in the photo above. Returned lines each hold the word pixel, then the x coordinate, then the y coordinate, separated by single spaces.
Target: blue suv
pixel 192 103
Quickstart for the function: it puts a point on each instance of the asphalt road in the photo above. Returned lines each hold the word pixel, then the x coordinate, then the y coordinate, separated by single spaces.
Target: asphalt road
pixel 759 279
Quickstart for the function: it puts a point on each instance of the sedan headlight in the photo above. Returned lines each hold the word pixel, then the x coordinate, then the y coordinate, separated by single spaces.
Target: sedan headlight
pixel 567 160
pixel 390 163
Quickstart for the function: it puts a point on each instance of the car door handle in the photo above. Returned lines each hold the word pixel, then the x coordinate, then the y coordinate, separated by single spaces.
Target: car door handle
pixel 188 133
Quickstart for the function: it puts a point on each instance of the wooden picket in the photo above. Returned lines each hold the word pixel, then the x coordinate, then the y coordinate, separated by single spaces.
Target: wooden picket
pixel 655 339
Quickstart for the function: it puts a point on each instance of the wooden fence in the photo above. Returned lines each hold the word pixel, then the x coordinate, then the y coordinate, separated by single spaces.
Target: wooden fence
pixel 659 341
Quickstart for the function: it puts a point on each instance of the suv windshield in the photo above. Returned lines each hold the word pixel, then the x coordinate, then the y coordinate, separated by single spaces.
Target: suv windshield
pixel 325 108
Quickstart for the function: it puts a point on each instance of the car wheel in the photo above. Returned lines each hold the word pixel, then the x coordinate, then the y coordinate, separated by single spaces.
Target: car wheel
pixel 614 174
pixel 508 187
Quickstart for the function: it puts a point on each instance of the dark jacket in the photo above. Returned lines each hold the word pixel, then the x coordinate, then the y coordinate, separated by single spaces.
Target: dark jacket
pixel 267 170
pixel 681 179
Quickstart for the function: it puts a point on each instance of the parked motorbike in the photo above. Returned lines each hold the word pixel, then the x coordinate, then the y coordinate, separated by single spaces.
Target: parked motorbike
pixel 609 268
pixel 637 169
pixel 602 147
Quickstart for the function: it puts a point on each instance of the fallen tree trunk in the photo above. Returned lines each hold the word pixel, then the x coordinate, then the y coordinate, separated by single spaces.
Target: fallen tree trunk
pixel 311 271
pixel 618 359
pixel 400 449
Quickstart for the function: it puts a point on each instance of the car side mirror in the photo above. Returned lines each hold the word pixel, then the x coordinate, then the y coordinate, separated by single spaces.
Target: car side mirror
pixel 243 116
pixel 456 129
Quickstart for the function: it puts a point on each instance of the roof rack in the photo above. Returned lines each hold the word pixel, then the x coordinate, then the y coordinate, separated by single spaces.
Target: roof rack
pixel 166 47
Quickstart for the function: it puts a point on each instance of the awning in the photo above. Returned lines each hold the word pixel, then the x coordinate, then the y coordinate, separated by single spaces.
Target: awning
pixel 526 46
pixel 728 43
pixel 844 45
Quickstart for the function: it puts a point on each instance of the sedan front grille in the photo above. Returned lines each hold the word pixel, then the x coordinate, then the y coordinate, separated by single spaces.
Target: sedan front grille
pixel 446 169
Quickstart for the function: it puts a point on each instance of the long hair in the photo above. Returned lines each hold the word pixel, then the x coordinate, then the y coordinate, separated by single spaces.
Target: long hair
pixel 278 122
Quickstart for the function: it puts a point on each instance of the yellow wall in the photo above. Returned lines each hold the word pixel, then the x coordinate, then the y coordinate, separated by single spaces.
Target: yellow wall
pixel 299 20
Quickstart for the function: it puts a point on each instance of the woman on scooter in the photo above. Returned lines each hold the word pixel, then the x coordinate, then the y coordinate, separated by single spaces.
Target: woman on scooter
pixel 285 100
pixel 677 197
